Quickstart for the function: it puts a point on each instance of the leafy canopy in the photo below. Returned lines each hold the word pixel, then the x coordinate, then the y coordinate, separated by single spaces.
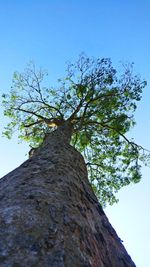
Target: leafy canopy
pixel 99 102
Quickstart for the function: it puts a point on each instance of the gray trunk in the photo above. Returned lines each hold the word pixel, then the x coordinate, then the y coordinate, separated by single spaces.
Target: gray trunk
pixel 49 215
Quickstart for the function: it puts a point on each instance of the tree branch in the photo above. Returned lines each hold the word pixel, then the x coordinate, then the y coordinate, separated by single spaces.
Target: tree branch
pixel 76 111
pixel 50 122
pixel 31 124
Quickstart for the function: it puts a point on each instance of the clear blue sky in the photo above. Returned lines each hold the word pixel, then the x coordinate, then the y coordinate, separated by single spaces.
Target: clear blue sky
pixel 52 32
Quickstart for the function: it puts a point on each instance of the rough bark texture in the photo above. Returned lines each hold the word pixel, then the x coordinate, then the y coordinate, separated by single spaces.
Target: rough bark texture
pixel 49 216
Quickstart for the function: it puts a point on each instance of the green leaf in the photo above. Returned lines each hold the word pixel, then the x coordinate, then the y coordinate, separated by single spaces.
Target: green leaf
pixel 68 96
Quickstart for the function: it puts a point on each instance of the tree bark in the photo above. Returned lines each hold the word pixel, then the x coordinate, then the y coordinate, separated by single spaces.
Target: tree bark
pixel 49 215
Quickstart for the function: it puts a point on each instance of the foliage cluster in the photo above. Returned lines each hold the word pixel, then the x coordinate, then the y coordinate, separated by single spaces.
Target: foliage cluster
pixel 98 102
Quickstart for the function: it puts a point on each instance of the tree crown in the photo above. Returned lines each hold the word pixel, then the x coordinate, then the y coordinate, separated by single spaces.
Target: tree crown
pixel 98 103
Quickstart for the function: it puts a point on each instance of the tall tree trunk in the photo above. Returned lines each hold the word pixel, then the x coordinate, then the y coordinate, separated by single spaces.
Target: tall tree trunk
pixel 49 215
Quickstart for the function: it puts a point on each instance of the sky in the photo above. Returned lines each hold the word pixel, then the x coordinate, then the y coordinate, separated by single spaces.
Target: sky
pixel 52 32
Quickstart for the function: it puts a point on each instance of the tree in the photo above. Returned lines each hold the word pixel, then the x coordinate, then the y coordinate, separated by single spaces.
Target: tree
pixel 100 107
pixel 50 215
